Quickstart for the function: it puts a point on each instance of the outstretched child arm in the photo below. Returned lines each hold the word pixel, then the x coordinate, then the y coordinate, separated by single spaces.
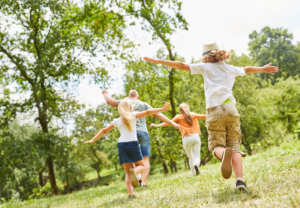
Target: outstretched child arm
pixel 159 125
pixel 267 69
pixel 101 133
pixel 201 116
pixel 173 64
pixel 175 120
pixel 152 111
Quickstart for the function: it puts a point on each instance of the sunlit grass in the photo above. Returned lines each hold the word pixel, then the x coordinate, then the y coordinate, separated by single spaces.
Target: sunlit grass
pixel 103 173
pixel 273 179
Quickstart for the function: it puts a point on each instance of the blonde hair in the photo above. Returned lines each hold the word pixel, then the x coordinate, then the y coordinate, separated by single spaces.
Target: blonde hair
pixel 216 56
pixel 125 109
pixel 185 110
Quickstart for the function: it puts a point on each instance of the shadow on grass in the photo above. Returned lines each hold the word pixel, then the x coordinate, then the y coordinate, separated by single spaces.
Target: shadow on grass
pixel 230 194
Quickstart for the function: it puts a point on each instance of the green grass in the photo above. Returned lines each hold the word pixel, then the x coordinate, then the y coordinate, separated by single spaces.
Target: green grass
pixel 105 172
pixel 273 179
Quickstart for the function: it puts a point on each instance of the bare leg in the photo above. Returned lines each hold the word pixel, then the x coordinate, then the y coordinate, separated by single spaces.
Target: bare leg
pixel 127 167
pixel 237 164
pixel 146 171
pixel 219 152
pixel 139 167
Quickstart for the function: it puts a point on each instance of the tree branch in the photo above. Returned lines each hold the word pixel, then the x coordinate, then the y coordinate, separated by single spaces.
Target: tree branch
pixel 36 30
pixel 23 72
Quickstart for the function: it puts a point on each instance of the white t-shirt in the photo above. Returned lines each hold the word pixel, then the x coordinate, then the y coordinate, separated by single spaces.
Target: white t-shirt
pixel 126 135
pixel 218 81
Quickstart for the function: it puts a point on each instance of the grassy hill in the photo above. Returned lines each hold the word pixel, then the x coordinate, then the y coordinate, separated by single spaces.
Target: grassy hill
pixel 273 179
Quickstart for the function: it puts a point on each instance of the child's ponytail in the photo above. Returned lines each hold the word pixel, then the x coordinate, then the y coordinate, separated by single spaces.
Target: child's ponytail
pixel 185 110
pixel 125 109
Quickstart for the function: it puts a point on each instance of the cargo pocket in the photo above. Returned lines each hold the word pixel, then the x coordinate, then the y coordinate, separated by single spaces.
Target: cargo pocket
pixel 215 139
pixel 212 123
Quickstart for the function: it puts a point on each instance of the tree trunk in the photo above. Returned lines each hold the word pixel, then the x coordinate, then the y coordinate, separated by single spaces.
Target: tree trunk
pixel 203 161
pixel 174 164
pixel 67 182
pixel 116 166
pixel 171 91
pixel 171 166
pixel 161 156
pixel 208 159
pixel 49 160
pixel 166 171
pixel 49 163
pixel 41 178
pixel 0 193
pixel 98 173
pixel 7 191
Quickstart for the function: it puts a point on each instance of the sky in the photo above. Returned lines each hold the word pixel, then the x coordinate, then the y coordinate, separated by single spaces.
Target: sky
pixel 228 23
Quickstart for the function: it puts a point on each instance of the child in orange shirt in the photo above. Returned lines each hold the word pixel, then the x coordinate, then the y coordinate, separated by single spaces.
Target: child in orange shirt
pixel 190 132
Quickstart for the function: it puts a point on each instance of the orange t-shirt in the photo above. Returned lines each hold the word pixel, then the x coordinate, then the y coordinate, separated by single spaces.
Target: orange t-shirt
pixel 185 127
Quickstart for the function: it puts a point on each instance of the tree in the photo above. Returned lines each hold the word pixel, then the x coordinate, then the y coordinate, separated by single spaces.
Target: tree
pixel 162 25
pixel 275 45
pixel 43 55
pixel 86 127
pixel 258 108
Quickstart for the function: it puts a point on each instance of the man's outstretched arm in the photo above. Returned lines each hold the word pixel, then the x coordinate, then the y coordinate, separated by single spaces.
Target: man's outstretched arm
pixel 173 64
pixel 267 69
pixel 110 101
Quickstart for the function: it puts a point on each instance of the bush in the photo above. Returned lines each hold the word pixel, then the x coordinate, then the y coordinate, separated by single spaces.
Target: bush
pixel 45 191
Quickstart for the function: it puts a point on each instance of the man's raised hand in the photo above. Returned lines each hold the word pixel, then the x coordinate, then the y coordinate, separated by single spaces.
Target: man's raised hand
pixel 152 61
pixel 104 92
pixel 270 69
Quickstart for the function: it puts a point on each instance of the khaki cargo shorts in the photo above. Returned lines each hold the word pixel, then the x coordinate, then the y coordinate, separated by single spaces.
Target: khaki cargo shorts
pixel 223 126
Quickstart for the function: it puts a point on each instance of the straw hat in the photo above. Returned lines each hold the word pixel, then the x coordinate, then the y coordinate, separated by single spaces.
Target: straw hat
pixel 207 48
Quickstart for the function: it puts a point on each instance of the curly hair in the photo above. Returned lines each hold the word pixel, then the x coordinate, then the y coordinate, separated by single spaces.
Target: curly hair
pixel 216 56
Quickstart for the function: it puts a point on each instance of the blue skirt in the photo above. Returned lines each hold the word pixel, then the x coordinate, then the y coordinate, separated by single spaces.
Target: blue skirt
pixel 129 152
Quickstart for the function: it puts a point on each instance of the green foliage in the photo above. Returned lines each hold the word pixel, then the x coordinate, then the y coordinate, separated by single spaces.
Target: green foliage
pixel 275 45
pixel 86 127
pixel 43 56
pixel 260 125
pixel 155 19
pixel 45 191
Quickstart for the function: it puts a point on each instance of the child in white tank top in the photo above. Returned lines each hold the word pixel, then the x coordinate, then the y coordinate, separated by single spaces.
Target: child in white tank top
pixel 128 145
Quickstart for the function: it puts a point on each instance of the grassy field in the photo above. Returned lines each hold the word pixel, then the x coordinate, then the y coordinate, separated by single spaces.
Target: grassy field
pixel 273 179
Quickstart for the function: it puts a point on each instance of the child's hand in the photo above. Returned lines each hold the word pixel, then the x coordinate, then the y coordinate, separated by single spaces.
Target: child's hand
pixel 152 125
pixel 166 106
pixel 269 69
pixel 152 61
pixel 89 142
pixel 177 126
